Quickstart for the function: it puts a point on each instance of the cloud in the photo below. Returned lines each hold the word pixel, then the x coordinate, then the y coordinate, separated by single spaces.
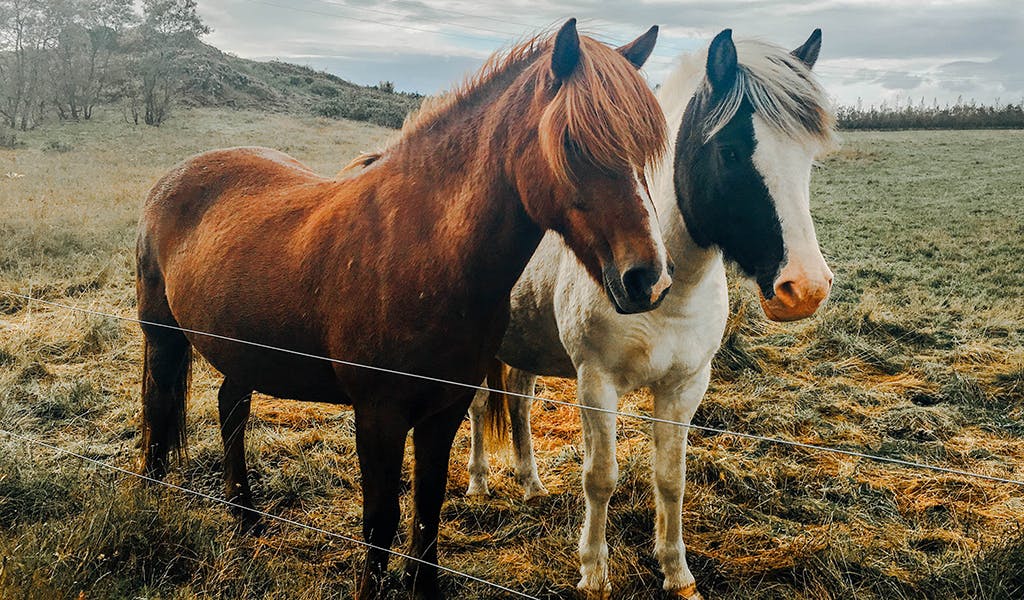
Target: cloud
pixel 872 48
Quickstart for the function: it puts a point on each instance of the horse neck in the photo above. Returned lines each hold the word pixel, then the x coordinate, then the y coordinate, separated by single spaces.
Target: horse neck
pixel 452 173
pixel 693 262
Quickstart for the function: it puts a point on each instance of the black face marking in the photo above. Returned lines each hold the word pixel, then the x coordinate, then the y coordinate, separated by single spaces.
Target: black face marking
pixel 722 196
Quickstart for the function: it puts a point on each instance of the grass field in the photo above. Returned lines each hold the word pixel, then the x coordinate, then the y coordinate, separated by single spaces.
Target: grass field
pixel 919 356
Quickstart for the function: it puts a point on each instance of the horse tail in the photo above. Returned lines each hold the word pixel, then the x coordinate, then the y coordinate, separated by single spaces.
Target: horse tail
pixel 166 368
pixel 166 379
pixel 497 420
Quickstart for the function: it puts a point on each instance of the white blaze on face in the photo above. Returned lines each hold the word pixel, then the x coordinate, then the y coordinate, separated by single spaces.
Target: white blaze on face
pixel 665 281
pixel 785 165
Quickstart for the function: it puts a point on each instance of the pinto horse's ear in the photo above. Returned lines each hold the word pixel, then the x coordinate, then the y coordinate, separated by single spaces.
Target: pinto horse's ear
pixel 566 55
pixel 808 53
pixel 640 49
pixel 722 65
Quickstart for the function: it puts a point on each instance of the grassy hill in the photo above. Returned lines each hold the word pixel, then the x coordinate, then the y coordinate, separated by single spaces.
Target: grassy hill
pixel 218 79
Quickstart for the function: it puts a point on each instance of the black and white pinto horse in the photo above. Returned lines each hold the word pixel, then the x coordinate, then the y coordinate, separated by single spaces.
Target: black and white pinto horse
pixel 748 120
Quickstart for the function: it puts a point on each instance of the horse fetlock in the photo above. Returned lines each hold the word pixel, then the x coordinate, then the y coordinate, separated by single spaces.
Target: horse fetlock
pixel 594 567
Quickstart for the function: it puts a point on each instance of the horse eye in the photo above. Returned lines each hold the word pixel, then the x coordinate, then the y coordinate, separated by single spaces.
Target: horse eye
pixel 729 156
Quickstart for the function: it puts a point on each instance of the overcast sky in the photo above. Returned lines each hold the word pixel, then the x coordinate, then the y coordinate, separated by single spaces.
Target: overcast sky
pixel 876 50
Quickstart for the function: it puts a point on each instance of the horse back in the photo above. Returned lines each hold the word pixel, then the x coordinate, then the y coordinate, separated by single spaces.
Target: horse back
pixel 186 192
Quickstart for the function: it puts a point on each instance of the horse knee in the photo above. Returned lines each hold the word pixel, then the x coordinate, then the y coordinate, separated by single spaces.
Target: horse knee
pixel 599 481
pixel 669 487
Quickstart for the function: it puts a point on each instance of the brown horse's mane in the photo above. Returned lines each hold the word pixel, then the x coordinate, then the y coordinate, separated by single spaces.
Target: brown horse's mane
pixel 602 113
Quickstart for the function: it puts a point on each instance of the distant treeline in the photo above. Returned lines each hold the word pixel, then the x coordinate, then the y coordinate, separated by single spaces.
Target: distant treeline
pixel 61 59
pixel 959 115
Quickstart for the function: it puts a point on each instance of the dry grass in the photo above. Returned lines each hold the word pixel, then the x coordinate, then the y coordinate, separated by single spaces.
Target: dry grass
pixel 918 356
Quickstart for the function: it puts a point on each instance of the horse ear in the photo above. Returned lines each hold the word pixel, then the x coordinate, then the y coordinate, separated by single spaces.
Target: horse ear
pixel 566 55
pixel 722 65
pixel 640 49
pixel 808 53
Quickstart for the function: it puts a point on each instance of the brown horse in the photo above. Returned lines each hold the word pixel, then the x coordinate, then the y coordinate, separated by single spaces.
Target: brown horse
pixel 407 265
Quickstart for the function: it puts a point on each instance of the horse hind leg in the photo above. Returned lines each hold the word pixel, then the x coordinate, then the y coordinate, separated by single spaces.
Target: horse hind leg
pixel 479 468
pixel 523 383
pixel 166 370
pixel 233 402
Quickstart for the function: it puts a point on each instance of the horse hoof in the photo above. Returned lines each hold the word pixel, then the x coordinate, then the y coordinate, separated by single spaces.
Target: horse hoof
pixel 535 493
pixel 477 491
pixel 688 593
pixel 588 591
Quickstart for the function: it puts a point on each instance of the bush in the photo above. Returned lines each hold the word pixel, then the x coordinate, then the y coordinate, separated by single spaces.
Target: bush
pixel 327 91
pixel 58 146
pixel 961 115
pixel 388 110
pixel 9 140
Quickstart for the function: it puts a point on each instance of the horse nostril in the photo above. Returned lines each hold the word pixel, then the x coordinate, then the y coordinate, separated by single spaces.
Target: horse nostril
pixel 638 282
pixel 787 292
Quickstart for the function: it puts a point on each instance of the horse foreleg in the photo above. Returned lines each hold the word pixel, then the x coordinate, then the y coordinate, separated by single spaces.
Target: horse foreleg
pixel 380 444
pixel 674 403
pixel 600 475
pixel 524 383
pixel 432 445
pixel 479 469
pixel 233 401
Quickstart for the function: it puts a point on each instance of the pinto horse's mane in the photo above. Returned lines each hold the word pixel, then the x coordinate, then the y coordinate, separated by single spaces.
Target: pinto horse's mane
pixel 778 85
pixel 603 113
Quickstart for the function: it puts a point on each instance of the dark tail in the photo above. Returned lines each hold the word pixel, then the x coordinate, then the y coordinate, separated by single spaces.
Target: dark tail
pixel 166 377
pixel 497 421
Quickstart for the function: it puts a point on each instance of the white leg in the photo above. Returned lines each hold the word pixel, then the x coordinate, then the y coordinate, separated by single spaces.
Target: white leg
pixel 522 438
pixel 600 474
pixel 675 403
pixel 479 470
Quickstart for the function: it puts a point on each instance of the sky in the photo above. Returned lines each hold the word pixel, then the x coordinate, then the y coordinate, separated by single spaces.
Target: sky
pixel 873 51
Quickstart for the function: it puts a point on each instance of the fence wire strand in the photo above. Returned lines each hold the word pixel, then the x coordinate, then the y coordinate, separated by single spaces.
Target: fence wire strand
pixel 533 398
pixel 267 515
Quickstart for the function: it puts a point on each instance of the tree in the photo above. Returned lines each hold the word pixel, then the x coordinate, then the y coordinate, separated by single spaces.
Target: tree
pixel 83 65
pixel 169 28
pixel 26 37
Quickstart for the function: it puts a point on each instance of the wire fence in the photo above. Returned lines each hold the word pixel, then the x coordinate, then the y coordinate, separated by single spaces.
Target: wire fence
pixel 264 514
pixel 455 572
pixel 534 398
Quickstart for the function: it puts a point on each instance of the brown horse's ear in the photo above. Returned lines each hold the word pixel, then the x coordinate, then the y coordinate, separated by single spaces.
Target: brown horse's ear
pixel 722 65
pixel 640 49
pixel 566 55
pixel 808 53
